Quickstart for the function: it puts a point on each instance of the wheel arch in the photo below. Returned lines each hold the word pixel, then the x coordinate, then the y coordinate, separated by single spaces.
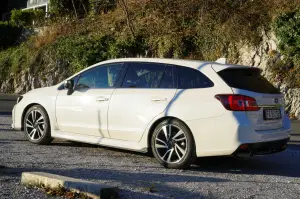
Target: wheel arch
pixel 154 125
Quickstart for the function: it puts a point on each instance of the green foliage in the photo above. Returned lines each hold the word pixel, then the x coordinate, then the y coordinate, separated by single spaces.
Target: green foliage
pixel 98 6
pixel 82 51
pixel 67 7
pixel 9 34
pixel 154 28
pixel 13 60
pixel 82 7
pixel 25 18
pixel 287 30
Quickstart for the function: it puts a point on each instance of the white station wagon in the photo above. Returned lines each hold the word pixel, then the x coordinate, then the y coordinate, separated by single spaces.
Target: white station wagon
pixel 181 109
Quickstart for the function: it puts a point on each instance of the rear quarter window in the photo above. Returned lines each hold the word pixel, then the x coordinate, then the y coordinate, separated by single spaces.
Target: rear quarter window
pixel 247 79
pixel 189 78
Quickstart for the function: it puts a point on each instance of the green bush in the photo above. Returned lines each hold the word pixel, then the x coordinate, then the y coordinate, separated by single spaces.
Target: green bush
pixel 287 30
pixel 26 18
pixel 96 6
pixel 81 7
pixel 66 7
pixel 9 34
pixel 80 51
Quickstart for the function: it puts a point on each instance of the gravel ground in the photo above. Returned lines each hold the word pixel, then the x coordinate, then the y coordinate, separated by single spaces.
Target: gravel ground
pixel 140 176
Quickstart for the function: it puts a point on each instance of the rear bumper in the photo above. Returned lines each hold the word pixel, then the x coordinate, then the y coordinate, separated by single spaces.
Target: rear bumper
pixel 262 148
pixel 222 136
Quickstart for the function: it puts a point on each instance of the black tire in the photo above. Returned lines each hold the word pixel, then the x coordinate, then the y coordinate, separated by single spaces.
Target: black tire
pixel 190 155
pixel 45 137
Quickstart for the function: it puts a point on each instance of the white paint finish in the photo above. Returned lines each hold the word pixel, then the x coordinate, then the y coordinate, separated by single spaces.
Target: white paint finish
pixel 191 104
pixel 121 144
pixel 219 67
pixel 44 96
pixel 131 110
pixel 222 60
pixel 83 112
pixel 222 135
pixel 130 113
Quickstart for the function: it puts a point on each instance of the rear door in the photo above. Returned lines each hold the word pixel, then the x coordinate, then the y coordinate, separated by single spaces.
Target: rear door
pixel 248 81
pixel 146 91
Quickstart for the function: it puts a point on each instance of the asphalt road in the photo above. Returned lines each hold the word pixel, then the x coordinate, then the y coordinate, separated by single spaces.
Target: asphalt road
pixel 7 102
pixel 140 176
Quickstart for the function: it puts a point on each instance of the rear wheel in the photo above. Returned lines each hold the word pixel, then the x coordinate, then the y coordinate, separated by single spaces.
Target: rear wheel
pixel 37 125
pixel 173 144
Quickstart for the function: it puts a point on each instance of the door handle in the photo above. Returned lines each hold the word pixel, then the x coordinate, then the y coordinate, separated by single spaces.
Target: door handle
pixel 159 99
pixel 101 99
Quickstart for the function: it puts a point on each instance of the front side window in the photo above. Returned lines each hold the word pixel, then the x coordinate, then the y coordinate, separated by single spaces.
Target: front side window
pixel 100 77
pixel 144 75
pixel 192 78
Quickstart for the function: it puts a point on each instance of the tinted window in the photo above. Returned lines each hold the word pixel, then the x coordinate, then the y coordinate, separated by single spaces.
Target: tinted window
pixel 169 78
pixel 191 78
pixel 100 77
pixel 75 79
pixel 247 79
pixel 143 75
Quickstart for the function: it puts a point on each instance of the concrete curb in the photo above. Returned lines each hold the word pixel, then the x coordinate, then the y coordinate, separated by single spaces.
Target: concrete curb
pixel 91 189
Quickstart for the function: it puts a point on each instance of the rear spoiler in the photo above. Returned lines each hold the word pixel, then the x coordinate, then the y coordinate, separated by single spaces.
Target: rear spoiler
pixel 221 60
pixel 221 64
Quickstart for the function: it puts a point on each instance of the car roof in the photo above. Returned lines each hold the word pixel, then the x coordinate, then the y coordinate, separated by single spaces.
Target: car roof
pixel 181 62
pixel 196 64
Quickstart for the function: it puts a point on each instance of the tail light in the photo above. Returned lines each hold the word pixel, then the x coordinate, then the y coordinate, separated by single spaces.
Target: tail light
pixel 238 102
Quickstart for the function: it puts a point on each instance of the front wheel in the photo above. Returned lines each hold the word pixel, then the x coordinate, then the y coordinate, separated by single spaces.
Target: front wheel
pixel 37 125
pixel 173 144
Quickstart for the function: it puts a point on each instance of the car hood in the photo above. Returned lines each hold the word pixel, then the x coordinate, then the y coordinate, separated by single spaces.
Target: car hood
pixel 41 91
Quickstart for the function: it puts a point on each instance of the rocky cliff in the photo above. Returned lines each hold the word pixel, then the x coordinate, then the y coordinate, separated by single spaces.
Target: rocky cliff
pixel 263 56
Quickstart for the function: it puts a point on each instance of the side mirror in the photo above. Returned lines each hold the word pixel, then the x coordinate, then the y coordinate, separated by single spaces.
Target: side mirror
pixel 69 84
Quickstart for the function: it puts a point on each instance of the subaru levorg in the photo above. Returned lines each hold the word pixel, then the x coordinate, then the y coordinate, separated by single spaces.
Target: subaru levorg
pixel 179 109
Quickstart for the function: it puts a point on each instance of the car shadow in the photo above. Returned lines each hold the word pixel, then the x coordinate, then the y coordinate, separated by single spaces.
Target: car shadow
pixel 276 164
pixel 3 114
pixel 156 185
pixel 86 145
pixel 279 164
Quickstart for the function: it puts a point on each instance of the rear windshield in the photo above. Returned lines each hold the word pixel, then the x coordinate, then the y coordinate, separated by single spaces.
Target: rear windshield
pixel 247 79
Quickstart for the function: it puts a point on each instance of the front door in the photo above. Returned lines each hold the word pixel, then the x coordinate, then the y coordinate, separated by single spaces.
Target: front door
pixel 85 110
pixel 146 92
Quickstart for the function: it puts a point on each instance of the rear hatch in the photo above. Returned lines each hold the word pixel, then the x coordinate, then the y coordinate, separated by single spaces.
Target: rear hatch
pixel 248 81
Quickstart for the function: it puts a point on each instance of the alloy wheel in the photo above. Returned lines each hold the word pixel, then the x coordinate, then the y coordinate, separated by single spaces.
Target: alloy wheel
pixel 35 125
pixel 171 143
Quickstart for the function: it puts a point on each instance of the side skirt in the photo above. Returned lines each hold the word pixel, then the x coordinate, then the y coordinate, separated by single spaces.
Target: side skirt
pixel 120 144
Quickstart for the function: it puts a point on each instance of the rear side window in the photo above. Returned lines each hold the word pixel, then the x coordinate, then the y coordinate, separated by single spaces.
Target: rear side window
pixel 169 79
pixel 192 78
pixel 144 75
pixel 247 79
